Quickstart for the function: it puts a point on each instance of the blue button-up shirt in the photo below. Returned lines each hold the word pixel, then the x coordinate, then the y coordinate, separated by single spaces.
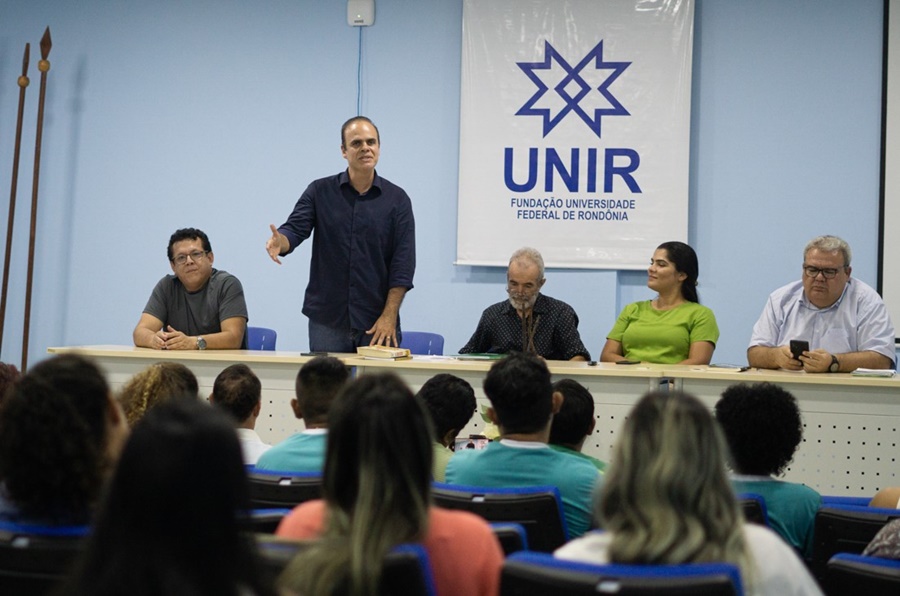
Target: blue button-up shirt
pixel 363 246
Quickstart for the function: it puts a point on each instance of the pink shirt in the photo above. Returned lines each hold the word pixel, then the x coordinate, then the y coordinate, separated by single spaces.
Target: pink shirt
pixel 465 555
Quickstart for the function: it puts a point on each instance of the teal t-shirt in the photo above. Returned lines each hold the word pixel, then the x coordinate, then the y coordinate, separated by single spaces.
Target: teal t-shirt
pixel 663 336
pixel 302 452
pixel 791 508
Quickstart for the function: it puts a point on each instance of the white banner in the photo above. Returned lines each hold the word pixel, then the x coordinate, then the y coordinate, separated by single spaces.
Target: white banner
pixel 574 130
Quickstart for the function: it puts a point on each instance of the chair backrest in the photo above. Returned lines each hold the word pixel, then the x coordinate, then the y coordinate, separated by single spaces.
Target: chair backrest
pixel 754 507
pixel 407 568
pixel 845 529
pixel 275 490
pixel 34 559
pixel 532 574
pixel 537 508
pixel 512 537
pixel 856 574
pixel 423 342
pixel 261 338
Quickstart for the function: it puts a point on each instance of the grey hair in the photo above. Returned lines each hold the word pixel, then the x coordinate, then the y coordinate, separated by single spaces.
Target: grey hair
pixel 829 244
pixel 526 253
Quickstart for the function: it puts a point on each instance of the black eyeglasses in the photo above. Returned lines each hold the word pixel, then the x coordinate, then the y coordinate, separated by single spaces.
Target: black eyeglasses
pixel 814 272
pixel 195 256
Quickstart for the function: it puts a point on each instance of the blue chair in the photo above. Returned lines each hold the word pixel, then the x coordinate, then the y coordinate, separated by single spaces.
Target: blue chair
pixel 855 574
pixel 538 509
pixel 533 574
pixel 407 568
pixel 281 489
pixel 422 342
pixel 512 537
pixel 261 338
pixel 753 506
pixel 844 529
pixel 34 559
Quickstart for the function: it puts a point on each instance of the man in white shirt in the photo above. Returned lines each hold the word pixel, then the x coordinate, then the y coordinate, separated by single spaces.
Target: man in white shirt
pixel 237 390
pixel 844 320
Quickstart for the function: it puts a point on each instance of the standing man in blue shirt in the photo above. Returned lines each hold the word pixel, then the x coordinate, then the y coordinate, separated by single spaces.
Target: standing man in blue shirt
pixel 364 248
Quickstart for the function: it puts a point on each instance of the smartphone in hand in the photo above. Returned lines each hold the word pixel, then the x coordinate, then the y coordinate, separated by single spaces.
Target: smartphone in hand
pixel 798 346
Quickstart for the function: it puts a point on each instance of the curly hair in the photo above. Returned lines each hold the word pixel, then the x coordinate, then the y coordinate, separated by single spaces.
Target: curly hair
pixel 9 374
pixel 762 425
pixel 155 384
pixel 53 440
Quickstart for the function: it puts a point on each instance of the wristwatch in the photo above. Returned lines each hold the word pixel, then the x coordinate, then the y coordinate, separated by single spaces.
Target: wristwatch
pixel 835 365
pixel 201 343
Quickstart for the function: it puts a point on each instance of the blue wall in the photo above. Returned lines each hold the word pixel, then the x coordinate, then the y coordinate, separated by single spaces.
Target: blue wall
pixel 217 113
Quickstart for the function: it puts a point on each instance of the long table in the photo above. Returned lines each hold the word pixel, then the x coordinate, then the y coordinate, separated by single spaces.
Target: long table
pixel 850 435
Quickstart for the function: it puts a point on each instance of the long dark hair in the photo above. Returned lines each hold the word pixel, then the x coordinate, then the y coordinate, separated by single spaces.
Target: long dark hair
pixel 169 523
pixel 376 484
pixel 685 260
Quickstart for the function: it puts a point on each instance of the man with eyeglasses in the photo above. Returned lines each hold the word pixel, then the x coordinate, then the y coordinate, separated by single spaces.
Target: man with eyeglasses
pixel 844 320
pixel 198 307
pixel 528 321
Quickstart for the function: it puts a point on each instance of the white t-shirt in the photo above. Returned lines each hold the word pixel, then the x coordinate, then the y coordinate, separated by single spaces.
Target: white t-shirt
pixel 779 571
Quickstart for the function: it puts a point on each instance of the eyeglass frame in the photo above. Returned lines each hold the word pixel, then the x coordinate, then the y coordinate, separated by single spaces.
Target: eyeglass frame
pixel 827 272
pixel 195 256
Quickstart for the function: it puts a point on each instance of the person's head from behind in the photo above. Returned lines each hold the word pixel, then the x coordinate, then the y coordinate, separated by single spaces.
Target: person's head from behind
pixel 666 497
pixel 60 435
pixel 682 260
pixel 239 392
pixel 170 517
pixel 376 485
pixel 318 382
pixel 762 425
pixel 574 421
pixel 450 402
pixel 154 385
pixel 521 394
pixel 9 374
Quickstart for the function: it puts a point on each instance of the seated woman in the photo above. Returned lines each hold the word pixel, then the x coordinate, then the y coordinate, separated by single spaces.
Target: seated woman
pixel 377 494
pixel 673 328
pixel 666 500
pixel 60 435
pixel 170 522
pixel 763 428
pixel 154 385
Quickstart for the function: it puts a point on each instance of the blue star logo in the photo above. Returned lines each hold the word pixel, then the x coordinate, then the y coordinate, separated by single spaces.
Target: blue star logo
pixel 575 85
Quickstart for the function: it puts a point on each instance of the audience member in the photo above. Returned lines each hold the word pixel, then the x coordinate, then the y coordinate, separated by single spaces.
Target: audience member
pixel 196 308
pixel 528 321
pixel 845 321
pixel 169 524
pixel 60 435
pixel 377 494
pixel 9 374
pixel 886 543
pixel 574 422
pixel 522 405
pixel 888 497
pixel 666 500
pixel 763 428
pixel 450 401
pixel 155 384
pixel 318 382
pixel 673 328
pixel 238 391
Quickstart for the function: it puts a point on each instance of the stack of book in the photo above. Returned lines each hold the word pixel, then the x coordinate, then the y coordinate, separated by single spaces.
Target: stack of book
pixel 384 352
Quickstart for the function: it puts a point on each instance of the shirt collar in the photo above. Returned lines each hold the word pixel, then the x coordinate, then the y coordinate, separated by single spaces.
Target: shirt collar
pixel 524 444
pixel 344 179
